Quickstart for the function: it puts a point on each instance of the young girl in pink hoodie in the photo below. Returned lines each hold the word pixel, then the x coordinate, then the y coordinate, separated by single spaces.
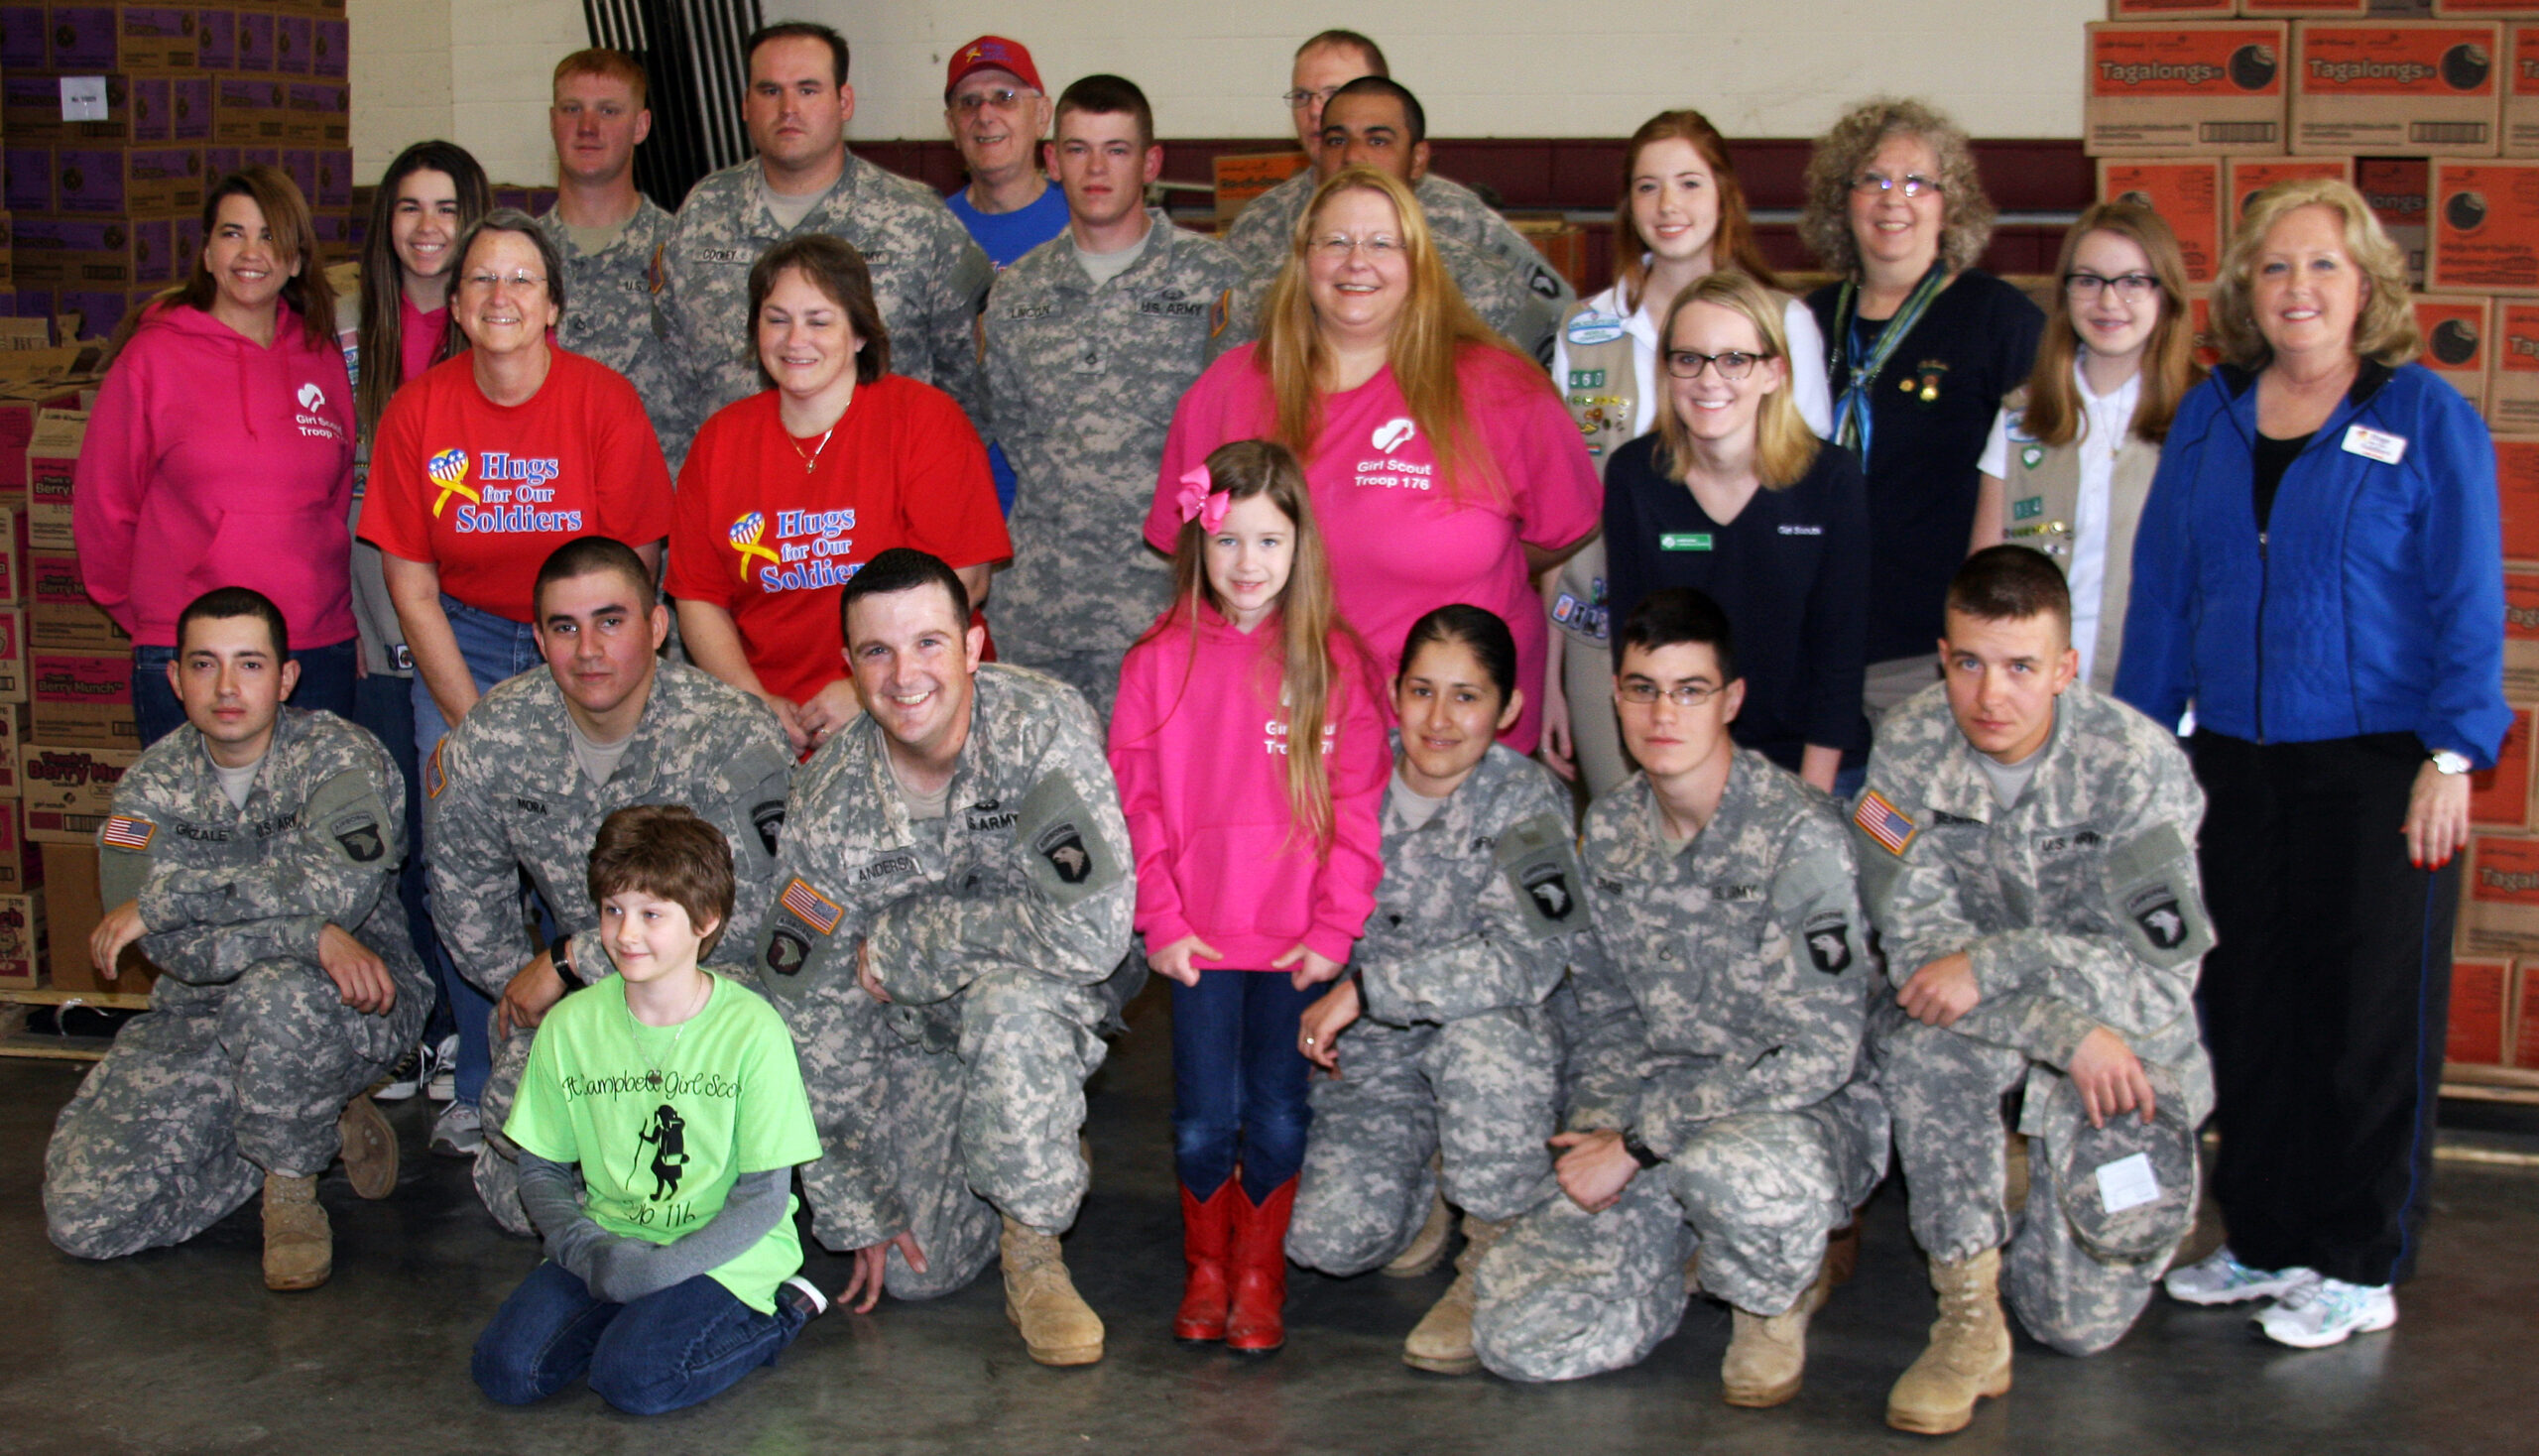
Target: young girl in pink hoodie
pixel 1250 751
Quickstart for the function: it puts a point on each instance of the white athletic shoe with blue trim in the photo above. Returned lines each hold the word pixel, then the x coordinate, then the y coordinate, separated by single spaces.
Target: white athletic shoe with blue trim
pixel 2221 1278
pixel 2323 1311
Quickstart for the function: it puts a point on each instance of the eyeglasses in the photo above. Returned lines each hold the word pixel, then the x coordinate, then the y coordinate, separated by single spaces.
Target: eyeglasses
pixel 2133 287
pixel 1337 247
pixel 1299 99
pixel 1913 183
pixel 1003 99
pixel 1642 693
pixel 486 283
pixel 1732 366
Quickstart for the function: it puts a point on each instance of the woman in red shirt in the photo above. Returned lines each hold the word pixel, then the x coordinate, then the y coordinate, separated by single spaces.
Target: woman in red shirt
pixel 788 493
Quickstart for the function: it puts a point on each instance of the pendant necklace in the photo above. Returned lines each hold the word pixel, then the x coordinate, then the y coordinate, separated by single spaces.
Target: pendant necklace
pixel 653 1078
pixel 810 461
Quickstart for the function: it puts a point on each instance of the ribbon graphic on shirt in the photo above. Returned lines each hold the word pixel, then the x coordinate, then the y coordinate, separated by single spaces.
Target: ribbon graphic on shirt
pixel 744 537
pixel 448 470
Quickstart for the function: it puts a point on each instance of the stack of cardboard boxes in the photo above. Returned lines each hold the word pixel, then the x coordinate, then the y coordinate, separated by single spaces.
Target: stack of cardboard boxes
pixel 114 116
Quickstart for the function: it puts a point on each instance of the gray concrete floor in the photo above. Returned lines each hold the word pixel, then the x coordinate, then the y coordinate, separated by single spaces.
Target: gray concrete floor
pixel 184 1351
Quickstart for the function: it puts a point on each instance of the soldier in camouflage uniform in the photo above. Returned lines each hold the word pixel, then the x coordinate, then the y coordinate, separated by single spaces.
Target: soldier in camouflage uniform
pixel 288 985
pixel 509 791
pixel 928 277
pixel 1717 1099
pixel 956 883
pixel 1082 379
pixel 2026 850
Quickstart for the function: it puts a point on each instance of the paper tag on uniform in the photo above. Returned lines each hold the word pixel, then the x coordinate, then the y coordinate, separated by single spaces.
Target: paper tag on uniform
pixel 83 98
pixel 2128 1183
pixel 2375 445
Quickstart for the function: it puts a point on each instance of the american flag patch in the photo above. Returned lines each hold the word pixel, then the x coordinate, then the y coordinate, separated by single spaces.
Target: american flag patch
pixel 1882 822
pixel 434 781
pixel 122 831
pixel 810 907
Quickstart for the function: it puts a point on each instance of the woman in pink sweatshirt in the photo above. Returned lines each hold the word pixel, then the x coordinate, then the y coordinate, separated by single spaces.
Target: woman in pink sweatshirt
pixel 220 452
pixel 1250 751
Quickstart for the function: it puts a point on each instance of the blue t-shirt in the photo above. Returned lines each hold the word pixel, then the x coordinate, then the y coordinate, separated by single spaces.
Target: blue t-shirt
pixel 1006 237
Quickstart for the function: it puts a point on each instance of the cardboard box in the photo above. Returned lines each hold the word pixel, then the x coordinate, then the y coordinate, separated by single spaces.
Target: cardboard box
pixel 2184 88
pixel 294 44
pixel 2246 177
pixel 29 188
pixel 2399 191
pixel 22 942
pixel 2171 9
pixel 2501 913
pixel 2487 9
pixel 2311 9
pixel 317 113
pixel 2520 125
pixel 66 679
pixel 216 32
pixel 13 556
pixel 2500 797
pixel 24 44
pixel 67 790
pixel 139 110
pixel 73 906
pixel 13 655
pixel 2512 375
pixel 331 49
pixel 13 725
pixel 2458 333
pixel 2520 635
pixel 2517 483
pixel 84 252
pixel 2398 86
pixel 2481 993
pixel 2485 228
pixel 334 179
pixel 2522 1028
pixel 248 111
pixel 83 628
pixel 125 181
pixel 93 38
pixel 20 864
pixel 1241 178
pixel 85 725
pixel 256 38
pixel 2185 191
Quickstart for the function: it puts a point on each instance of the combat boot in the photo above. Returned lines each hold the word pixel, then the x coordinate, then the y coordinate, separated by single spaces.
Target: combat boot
pixel 1767 1354
pixel 1441 1343
pixel 1428 1245
pixel 370 1149
pixel 1057 1326
pixel 1257 1322
pixel 1969 1357
pixel 300 1247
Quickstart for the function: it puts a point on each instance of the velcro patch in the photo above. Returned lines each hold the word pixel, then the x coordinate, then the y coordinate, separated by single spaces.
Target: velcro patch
pixel 123 831
pixel 434 781
pixel 810 907
pixel 1884 823
pixel 1063 849
pixel 1541 866
pixel 359 834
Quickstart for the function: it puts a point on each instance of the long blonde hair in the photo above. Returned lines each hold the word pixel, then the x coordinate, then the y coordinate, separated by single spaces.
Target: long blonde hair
pixel 1783 445
pixel 1309 668
pixel 1434 330
pixel 2054 414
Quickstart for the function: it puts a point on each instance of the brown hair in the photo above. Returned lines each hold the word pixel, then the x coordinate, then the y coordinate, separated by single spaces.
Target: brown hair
pixel 1732 245
pixel 1783 445
pixel 2054 414
pixel 1435 330
pixel 286 212
pixel 665 850
pixel 382 278
pixel 2385 330
pixel 832 265
pixel 1309 670
pixel 1373 54
pixel 615 65
pixel 1825 220
pixel 2010 583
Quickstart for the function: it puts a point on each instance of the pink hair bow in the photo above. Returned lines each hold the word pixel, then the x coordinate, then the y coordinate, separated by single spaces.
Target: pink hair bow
pixel 1200 503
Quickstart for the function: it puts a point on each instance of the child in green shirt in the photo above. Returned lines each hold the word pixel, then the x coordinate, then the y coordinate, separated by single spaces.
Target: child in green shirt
pixel 674 1271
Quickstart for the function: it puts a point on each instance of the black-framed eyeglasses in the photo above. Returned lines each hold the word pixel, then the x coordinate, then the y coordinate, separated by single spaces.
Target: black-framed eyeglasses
pixel 1732 366
pixel 1913 183
pixel 1642 693
pixel 2133 287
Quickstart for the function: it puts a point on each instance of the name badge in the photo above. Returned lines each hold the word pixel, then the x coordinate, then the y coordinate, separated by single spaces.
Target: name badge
pixel 1684 541
pixel 2374 444
pixel 1594 328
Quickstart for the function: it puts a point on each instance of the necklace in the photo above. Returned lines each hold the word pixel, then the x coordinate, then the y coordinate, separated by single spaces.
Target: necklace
pixel 653 1077
pixel 811 461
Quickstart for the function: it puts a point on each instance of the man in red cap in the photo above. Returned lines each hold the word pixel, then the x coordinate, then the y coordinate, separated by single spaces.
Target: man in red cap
pixel 998 115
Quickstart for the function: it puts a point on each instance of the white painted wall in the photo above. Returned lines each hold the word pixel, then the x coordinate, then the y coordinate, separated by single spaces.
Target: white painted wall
pixel 477 70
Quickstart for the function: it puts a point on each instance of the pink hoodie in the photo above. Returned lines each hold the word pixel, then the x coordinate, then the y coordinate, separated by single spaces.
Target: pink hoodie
pixel 212 462
pixel 1202 772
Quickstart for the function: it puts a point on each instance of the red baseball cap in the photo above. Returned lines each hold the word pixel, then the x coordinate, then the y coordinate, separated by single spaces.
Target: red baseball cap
pixel 992 53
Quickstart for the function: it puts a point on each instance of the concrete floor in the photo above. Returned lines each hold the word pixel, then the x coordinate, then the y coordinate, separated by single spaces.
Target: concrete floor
pixel 184 1351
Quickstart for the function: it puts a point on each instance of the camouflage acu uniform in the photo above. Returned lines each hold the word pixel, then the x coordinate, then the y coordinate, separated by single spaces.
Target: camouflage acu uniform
pixel 990 929
pixel 2080 907
pixel 609 315
pixel 928 277
pixel 1474 923
pixel 248 1052
pixel 1722 1023
pixel 502 793
pixel 1082 382
pixel 1522 295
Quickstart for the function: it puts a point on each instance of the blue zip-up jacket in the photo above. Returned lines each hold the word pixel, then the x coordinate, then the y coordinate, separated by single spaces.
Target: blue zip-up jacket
pixel 2374 603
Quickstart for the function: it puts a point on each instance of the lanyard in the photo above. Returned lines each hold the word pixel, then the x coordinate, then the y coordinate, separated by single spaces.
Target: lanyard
pixel 1852 408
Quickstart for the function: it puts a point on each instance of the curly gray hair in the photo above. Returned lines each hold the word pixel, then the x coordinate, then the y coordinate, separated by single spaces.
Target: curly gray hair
pixel 1823 223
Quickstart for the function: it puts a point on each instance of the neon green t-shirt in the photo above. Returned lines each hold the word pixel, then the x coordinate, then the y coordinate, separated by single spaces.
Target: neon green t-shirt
pixel 664 1120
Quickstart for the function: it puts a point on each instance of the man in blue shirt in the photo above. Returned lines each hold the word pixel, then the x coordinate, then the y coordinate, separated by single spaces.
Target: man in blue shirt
pixel 998 115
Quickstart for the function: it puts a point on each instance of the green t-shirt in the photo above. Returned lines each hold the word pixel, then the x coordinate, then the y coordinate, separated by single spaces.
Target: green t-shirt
pixel 658 1154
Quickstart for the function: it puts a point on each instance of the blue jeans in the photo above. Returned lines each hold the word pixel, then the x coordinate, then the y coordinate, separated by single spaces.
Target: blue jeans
pixel 494 649
pixel 385 704
pixel 325 681
pixel 663 1352
pixel 1238 1080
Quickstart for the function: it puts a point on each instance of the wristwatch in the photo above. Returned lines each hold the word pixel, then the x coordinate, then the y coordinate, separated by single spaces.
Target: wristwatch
pixel 1638 1151
pixel 561 957
pixel 2447 762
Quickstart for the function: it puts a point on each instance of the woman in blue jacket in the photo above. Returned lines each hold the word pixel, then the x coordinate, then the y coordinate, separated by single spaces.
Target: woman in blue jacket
pixel 2319 576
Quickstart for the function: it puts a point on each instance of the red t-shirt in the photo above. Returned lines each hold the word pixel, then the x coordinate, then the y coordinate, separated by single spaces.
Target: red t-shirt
pixel 755 533
pixel 486 491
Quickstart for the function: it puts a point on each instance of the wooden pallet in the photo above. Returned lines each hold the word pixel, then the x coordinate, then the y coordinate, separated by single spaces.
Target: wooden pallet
pixel 17 1040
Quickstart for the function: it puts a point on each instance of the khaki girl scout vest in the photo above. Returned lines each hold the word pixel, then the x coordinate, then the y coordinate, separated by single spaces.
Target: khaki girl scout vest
pixel 2040 503
pixel 1602 392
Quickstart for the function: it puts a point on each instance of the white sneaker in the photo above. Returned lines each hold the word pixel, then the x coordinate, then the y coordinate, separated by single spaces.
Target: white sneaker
pixel 443 1086
pixel 2321 1312
pixel 459 1131
pixel 403 1080
pixel 2223 1279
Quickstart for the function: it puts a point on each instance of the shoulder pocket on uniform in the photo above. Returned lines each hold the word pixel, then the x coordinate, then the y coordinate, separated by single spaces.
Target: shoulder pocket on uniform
pixel 347 812
pixel 1541 866
pixel 2154 895
pixel 1063 850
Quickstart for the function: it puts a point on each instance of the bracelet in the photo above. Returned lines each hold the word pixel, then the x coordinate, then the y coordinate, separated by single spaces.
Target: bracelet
pixel 1639 1151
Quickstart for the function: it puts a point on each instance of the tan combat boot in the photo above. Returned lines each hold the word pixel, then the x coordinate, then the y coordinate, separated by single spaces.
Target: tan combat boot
pixel 1057 1326
pixel 1969 1357
pixel 370 1149
pixel 299 1247
pixel 1767 1354
pixel 1441 1343
pixel 1428 1245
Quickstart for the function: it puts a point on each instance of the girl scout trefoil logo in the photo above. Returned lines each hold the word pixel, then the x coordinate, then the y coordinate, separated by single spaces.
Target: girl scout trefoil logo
pixel 448 470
